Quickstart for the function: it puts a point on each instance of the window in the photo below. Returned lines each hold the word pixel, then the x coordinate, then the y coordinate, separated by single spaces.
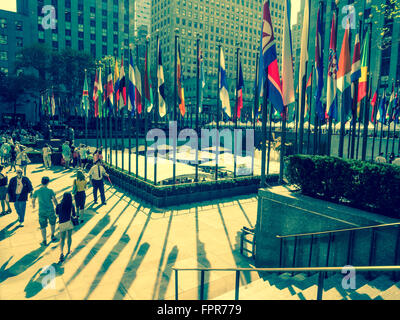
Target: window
pixel 18 25
pixel 3 39
pixel 3 23
pixel 19 41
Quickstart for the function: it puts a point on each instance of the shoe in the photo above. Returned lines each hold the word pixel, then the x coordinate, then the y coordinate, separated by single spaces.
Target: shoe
pixel 3 213
pixel 43 243
pixel 21 224
pixel 94 202
pixel 8 211
pixel 81 221
pixel 54 239
pixel 61 257
pixel 103 203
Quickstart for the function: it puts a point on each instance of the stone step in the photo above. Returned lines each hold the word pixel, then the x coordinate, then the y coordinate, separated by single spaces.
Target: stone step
pixel 372 289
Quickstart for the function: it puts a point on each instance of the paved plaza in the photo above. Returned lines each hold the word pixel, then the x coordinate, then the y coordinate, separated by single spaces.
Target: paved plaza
pixel 125 249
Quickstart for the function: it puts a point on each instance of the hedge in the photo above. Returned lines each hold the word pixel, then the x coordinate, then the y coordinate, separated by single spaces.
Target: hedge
pixel 369 186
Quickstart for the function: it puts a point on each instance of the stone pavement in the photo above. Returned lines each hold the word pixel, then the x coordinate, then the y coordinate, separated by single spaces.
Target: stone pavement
pixel 126 249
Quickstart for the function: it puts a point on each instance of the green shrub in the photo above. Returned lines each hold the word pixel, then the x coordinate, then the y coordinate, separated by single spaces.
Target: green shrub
pixel 365 185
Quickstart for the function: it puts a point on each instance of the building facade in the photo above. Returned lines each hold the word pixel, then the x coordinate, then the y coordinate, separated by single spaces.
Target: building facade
pixel 15 33
pixel 232 24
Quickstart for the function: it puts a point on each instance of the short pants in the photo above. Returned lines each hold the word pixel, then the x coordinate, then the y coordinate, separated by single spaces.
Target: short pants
pixel 47 216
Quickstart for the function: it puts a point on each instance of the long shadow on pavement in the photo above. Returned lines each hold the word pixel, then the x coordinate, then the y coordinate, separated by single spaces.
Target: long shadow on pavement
pixel 8 231
pixel 36 283
pixel 113 254
pixel 167 272
pixel 21 265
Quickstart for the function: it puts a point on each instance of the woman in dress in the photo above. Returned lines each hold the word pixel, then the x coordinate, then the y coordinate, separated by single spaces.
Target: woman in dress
pixel 78 189
pixel 65 211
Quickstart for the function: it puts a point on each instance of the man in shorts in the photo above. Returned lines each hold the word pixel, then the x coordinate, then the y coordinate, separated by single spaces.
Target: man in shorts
pixel 46 198
pixel 66 154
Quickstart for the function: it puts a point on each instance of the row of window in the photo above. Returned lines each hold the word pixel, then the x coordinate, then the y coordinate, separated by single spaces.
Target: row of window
pixel 18 24
pixel 19 41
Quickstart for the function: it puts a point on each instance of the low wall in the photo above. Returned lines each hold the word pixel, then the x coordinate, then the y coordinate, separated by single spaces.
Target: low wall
pixel 281 212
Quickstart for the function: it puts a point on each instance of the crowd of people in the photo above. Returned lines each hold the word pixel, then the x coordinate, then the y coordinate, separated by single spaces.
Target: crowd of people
pixel 69 212
pixel 392 159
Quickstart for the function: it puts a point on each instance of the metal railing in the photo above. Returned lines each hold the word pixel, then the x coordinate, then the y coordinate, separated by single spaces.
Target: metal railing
pixel 321 275
pixel 246 231
pixel 331 234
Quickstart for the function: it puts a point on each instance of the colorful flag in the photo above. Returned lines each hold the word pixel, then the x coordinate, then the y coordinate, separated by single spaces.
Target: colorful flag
pixel 362 83
pixel 373 104
pixel 131 84
pixel 85 97
pixel 307 111
pixel 181 91
pixel 116 83
pixel 287 61
pixel 390 108
pixel 53 103
pixel 162 109
pixel 110 92
pixel 396 110
pixel 95 96
pixel 223 85
pixel 380 117
pixel 319 71
pixel 331 96
pixel 138 90
pixel 100 96
pixel 239 92
pixel 122 86
pixel 356 65
pixel 147 83
pixel 304 50
pixel 269 70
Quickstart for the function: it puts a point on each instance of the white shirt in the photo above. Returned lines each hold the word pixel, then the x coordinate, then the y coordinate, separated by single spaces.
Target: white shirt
pixel 396 162
pixel 19 186
pixel 380 159
pixel 95 170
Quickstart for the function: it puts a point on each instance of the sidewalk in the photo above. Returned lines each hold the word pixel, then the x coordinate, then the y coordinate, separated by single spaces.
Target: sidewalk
pixel 124 250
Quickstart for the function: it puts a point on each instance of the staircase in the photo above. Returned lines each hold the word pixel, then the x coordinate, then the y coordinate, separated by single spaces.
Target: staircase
pixel 303 287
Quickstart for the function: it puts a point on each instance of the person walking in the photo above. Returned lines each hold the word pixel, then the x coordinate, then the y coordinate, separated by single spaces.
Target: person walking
pixel 96 174
pixel 46 198
pixel 17 193
pixel 47 156
pixel 13 157
pixel 78 190
pixel 66 154
pixel 3 193
pixel 22 160
pixel 83 152
pixel 65 212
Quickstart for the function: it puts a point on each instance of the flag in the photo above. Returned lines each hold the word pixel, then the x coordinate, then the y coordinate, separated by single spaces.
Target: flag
pixel 362 84
pixel 162 109
pixel 396 110
pixel 100 96
pixel 85 97
pixel 331 97
pixel 380 117
pixel 53 103
pixel 147 83
pixel 116 83
pixel 131 84
pixel 110 91
pixel 319 71
pixel 239 92
pixel 356 65
pixel 223 85
pixel 304 50
pixel 122 86
pixel 138 90
pixel 95 96
pixel 307 111
pixel 287 61
pixel 202 80
pixel 373 104
pixel 181 91
pixel 390 108
pixel 268 64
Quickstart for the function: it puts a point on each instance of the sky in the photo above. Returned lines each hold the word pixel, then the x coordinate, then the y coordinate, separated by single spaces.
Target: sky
pixel 11 5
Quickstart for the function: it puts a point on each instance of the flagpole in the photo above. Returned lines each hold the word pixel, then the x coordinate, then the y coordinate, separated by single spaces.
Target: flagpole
pixel 115 114
pixel 197 106
pixel 86 114
pixel 145 110
pixel 218 109
pixel 236 110
pixel 375 125
pixel 156 107
pixel 175 103
pixel 137 115
pixel 310 112
pixel 256 104
pixel 381 135
pixel 130 113
pixel 264 135
pixel 366 109
pixel 110 113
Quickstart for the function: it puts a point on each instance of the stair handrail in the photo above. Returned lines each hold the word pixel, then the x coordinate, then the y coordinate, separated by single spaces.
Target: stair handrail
pixel 339 230
pixel 320 270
